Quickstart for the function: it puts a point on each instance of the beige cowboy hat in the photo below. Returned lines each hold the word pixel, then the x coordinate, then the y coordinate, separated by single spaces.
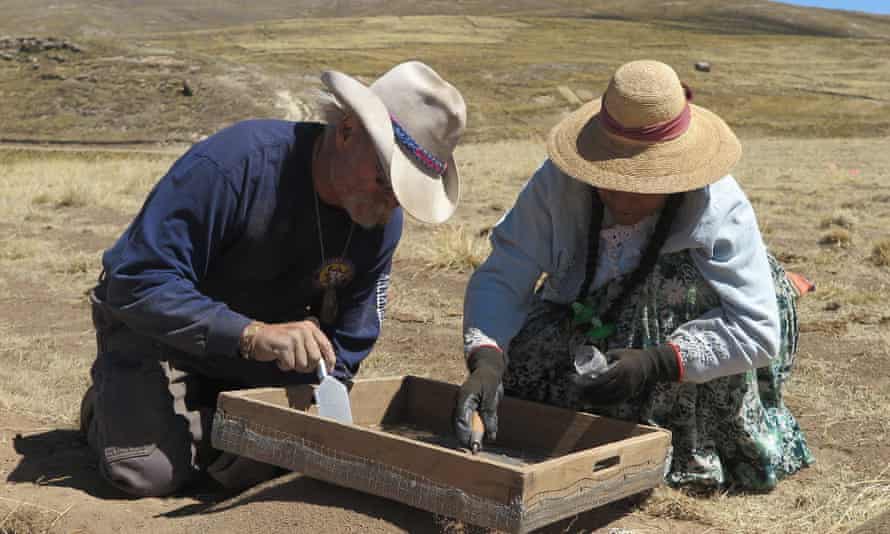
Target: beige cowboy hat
pixel 415 120
pixel 644 136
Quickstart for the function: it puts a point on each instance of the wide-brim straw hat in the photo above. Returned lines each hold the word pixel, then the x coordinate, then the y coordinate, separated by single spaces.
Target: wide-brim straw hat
pixel 643 136
pixel 415 120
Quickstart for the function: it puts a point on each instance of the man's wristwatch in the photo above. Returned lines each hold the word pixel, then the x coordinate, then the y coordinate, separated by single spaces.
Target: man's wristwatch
pixel 245 344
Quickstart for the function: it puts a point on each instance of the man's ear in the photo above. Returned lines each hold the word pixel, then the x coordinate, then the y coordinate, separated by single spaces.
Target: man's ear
pixel 346 129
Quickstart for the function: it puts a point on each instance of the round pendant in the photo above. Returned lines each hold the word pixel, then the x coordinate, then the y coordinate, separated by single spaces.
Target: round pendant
pixel 334 273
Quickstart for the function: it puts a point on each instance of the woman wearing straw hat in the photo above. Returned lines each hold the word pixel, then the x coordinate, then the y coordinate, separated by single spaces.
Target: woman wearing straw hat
pixel 661 303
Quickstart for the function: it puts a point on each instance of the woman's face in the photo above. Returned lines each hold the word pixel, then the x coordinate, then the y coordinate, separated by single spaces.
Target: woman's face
pixel 630 208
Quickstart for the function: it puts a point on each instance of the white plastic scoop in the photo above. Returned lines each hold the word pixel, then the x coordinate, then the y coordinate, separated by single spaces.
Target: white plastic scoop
pixel 331 397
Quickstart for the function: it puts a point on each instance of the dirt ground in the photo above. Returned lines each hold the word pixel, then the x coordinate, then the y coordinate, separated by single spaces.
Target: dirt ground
pixel 53 467
pixel 839 393
pixel 53 486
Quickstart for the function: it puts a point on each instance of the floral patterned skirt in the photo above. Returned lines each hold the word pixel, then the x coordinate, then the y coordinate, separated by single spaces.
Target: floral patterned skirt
pixel 733 431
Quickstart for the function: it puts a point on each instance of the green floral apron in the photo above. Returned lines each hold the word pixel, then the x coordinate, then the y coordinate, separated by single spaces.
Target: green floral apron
pixel 733 431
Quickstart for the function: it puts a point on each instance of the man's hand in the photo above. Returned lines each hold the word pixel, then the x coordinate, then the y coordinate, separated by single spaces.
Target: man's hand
pixel 482 391
pixel 296 346
pixel 631 371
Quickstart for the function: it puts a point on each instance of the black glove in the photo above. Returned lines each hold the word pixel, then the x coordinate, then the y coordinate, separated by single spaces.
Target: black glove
pixel 481 391
pixel 631 371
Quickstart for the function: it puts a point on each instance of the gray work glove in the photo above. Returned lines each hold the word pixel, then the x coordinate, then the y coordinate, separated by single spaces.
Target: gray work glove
pixel 631 371
pixel 482 391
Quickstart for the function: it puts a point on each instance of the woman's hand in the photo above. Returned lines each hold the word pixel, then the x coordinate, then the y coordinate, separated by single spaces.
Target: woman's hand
pixel 633 370
pixel 482 392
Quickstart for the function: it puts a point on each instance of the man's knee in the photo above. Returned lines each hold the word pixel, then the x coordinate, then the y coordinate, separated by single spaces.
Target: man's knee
pixel 144 434
pixel 145 472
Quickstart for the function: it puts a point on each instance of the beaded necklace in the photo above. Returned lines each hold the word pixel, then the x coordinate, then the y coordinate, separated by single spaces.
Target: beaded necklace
pixel 335 272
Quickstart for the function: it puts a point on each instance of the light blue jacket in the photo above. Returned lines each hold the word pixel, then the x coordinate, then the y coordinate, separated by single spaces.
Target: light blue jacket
pixel 546 232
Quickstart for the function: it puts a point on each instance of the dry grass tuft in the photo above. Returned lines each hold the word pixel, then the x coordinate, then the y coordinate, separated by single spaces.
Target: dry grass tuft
pixel 447 525
pixel 78 263
pixel 880 254
pixel 74 197
pixel 825 504
pixel 672 504
pixel 455 248
pixel 837 237
pixel 42 198
pixel 15 248
pixel 833 327
pixel 840 220
pixel 20 517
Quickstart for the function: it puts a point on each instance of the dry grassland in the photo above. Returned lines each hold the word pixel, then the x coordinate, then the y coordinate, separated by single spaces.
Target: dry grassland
pixel 127 17
pixel 512 69
pixel 774 72
pixel 59 210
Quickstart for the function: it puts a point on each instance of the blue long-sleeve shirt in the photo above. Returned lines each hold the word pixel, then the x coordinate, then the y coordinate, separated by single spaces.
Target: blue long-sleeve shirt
pixel 230 234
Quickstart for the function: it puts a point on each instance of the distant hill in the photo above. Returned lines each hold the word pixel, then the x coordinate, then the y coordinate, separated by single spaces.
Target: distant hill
pixel 175 70
pixel 103 17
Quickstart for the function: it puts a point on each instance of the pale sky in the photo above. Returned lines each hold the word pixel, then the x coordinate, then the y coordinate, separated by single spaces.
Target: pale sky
pixel 870 6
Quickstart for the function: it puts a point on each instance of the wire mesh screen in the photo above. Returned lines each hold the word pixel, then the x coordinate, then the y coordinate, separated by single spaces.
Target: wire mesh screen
pixel 235 435
pixel 239 436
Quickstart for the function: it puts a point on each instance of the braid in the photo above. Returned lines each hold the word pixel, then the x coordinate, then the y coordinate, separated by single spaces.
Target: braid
pixel 649 257
pixel 593 242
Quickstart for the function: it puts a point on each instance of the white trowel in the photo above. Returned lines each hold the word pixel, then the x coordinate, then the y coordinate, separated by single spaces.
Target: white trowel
pixel 331 397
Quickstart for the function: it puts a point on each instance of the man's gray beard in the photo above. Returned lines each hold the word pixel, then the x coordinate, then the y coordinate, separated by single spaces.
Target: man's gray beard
pixel 378 217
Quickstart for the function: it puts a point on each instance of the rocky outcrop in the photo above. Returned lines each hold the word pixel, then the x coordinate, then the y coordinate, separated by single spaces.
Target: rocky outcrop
pixel 32 45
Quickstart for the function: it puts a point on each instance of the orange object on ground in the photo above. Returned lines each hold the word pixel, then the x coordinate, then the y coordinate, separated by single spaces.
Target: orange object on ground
pixel 801 284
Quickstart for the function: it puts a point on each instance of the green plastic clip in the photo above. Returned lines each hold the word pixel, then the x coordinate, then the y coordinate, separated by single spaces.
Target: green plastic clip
pixel 583 315
pixel 600 331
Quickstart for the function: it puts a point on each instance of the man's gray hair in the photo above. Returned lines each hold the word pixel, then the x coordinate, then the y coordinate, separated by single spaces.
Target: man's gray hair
pixel 329 109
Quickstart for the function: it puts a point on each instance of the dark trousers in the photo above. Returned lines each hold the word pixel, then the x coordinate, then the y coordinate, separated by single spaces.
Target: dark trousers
pixel 152 409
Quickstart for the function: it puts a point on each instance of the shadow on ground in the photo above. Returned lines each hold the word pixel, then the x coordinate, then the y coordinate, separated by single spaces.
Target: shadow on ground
pixel 62 458
pixel 59 458
pixel 294 487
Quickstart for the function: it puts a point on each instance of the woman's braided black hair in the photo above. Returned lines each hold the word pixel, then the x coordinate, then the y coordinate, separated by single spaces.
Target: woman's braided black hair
pixel 593 243
pixel 647 261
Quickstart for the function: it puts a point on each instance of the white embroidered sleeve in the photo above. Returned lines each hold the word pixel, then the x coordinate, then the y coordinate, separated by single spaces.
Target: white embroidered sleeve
pixel 700 350
pixel 475 338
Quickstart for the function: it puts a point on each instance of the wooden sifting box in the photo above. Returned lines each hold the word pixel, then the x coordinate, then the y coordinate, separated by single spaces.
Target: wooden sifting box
pixel 547 463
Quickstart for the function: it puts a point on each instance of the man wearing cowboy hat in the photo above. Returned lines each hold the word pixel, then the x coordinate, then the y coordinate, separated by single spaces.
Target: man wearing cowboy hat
pixel 263 253
pixel 656 269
